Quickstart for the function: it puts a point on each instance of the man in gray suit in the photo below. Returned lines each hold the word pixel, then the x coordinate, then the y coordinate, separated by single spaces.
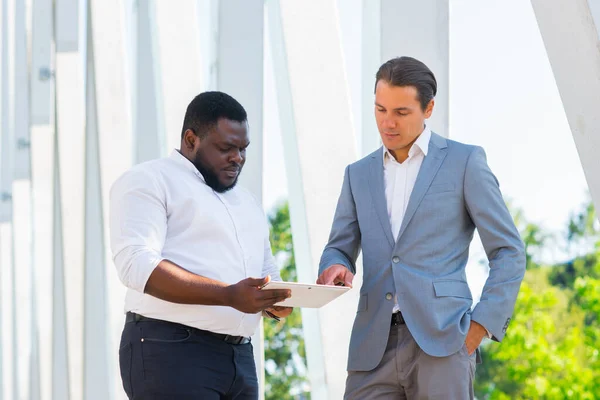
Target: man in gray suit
pixel 412 207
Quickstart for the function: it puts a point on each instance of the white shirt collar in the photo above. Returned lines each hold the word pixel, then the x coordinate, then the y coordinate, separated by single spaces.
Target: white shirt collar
pixel 184 162
pixel 421 144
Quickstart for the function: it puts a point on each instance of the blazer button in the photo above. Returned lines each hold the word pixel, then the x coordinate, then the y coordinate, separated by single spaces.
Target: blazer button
pixel 388 296
pixel 395 259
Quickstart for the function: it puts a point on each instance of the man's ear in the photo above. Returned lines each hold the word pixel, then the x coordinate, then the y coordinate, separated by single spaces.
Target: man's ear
pixel 429 108
pixel 189 139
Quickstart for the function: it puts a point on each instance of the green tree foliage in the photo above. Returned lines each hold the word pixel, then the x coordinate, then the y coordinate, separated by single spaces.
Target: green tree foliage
pixel 285 355
pixel 551 349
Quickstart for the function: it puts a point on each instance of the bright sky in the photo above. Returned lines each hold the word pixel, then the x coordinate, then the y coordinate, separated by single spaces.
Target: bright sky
pixel 502 97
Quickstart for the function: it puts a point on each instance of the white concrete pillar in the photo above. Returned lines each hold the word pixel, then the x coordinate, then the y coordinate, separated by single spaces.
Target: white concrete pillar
pixel 67 279
pixel 180 81
pixel 420 30
pixel 60 349
pixel 239 73
pixel 571 33
pixel 109 153
pixel 148 112
pixel 316 124
pixel 41 62
pixel 371 61
pixel 6 262
pixel 22 159
pixel 6 300
pixel 42 158
pixel 69 223
pixel 22 227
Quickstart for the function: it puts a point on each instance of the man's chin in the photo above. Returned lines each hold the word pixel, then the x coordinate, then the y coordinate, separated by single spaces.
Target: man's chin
pixel 222 187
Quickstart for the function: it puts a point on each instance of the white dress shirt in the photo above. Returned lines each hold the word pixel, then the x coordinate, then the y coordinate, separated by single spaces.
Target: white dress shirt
pixel 163 209
pixel 399 180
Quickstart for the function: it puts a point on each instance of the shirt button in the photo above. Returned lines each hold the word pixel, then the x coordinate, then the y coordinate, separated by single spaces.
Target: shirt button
pixel 388 296
pixel 396 259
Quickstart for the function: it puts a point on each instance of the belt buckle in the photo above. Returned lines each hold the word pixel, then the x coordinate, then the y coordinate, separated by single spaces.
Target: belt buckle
pixel 232 339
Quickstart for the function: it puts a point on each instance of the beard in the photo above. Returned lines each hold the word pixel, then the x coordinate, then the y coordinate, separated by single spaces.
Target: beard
pixel 211 178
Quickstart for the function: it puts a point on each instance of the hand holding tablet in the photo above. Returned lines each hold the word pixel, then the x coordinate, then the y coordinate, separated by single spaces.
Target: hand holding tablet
pixel 307 295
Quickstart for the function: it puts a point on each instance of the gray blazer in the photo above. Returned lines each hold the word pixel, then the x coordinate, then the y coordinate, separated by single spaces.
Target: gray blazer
pixel 455 193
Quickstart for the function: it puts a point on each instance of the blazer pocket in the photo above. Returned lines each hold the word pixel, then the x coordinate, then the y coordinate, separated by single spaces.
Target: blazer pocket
pixel 362 303
pixel 452 288
pixel 440 188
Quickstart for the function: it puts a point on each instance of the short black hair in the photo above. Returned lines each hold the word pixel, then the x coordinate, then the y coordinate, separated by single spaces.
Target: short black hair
pixel 204 112
pixel 408 71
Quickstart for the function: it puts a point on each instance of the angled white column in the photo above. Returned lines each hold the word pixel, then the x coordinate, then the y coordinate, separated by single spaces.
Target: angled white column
pixel 371 61
pixel 6 300
pixel 22 159
pixel 42 156
pixel 399 22
pixel 6 142
pixel 42 147
pixel 316 125
pixel 22 227
pixel 239 73
pixel 69 223
pixel 109 153
pixel 96 343
pixel 41 59
pixel 67 279
pixel 571 33
pixel 40 365
pixel 148 121
pixel 179 81
pixel 208 22
pixel 351 32
pixel 21 283
pixel 67 31
pixel 5 199
pixel 60 361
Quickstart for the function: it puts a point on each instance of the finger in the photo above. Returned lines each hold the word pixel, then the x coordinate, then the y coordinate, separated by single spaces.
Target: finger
pixel 348 279
pixel 273 294
pixel 268 304
pixel 258 282
pixel 329 277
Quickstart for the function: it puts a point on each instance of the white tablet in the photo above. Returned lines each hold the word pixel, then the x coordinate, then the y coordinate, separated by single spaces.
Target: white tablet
pixel 307 295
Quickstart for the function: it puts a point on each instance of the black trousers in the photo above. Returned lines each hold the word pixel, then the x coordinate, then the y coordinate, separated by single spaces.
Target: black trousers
pixel 162 360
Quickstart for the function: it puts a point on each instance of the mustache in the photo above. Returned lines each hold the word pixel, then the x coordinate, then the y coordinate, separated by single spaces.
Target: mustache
pixel 234 167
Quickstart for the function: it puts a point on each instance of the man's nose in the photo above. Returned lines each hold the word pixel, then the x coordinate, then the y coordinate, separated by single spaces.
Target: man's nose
pixel 388 123
pixel 237 157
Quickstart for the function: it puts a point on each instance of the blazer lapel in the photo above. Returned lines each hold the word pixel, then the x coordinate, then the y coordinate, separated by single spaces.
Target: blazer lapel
pixel 431 164
pixel 378 193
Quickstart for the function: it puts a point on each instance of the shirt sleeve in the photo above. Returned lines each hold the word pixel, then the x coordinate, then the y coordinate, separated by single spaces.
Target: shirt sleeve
pixel 269 265
pixel 138 226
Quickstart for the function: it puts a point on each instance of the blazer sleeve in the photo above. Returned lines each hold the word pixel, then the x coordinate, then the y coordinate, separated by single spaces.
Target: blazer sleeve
pixel 503 246
pixel 344 239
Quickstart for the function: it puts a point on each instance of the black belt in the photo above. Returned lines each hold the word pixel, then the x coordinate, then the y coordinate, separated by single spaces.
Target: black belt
pixel 133 317
pixel 397 319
